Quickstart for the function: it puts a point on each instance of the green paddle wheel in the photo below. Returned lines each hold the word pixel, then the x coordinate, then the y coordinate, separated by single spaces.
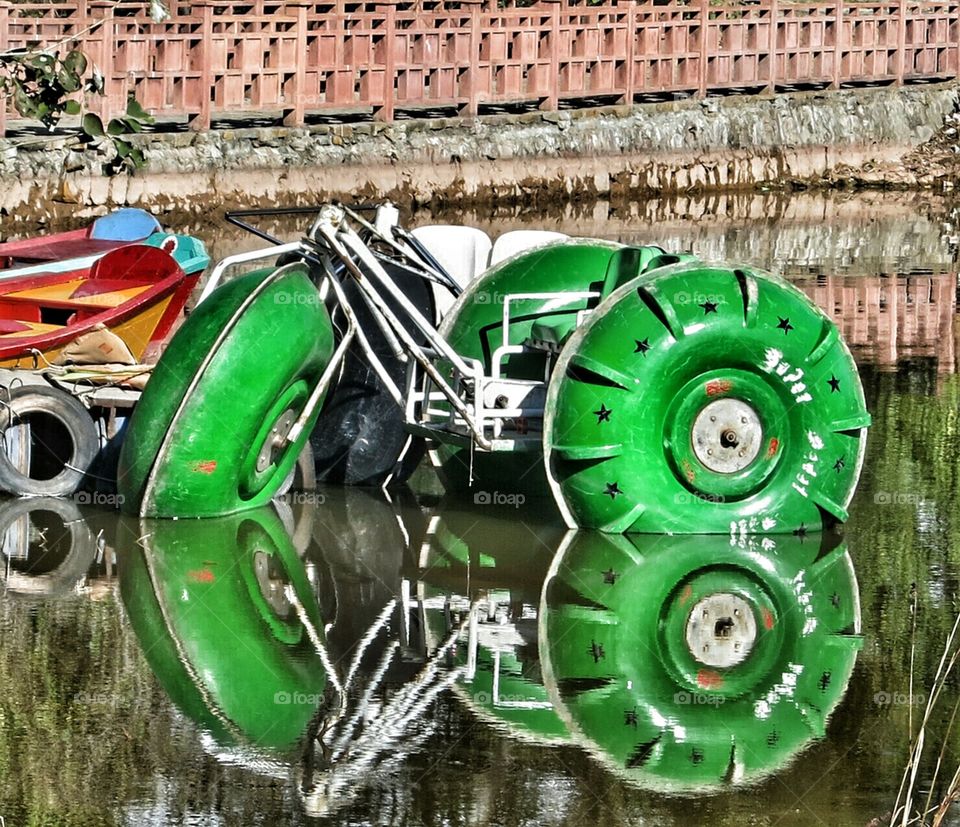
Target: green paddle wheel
pixel 208 437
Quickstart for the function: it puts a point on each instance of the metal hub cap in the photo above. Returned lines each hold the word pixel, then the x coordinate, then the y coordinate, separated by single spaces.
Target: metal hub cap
pixel 721 630
pixel 275 440
pixel 727 436
pixel 272 583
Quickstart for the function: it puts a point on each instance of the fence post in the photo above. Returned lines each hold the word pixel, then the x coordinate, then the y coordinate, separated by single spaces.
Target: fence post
pixel 384 112
pixel 551 103
pixel 294 115
pixel 632 35
pixel 104 59
pixel 772 43
pixel 901 40
pixel 472 92
pixel 200 119
pixel 4 40
pixel 704 47
pixel 838 42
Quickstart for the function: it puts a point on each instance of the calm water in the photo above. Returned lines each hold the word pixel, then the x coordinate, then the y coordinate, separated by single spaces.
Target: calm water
pixel 497 670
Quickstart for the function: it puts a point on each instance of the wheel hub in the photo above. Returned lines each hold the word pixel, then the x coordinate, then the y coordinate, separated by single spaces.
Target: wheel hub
pixel 275 440
pixel 726 435
pixel 721 630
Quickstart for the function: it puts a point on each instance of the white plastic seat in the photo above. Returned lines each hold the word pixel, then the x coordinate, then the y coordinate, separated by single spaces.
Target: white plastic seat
pixel 516 241
pixel 462 251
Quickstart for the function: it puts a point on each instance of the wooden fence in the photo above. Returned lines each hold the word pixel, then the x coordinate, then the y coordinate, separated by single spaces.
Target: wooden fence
pixel 215 57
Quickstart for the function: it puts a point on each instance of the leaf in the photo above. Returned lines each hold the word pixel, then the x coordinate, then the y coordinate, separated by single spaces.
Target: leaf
pixel 68 81
pixel 43 62
pixel 124 148
pixel 24 102
pixel 116 127
pixel 133 125
pixel 136 157
pixel 92 125
pixel 72 107
pixel 137 112
pixel 75 62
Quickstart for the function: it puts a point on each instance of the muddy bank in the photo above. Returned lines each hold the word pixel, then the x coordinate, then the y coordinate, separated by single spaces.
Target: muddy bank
pixel 720 144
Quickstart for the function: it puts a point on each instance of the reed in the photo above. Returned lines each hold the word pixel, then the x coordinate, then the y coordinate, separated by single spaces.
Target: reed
pixel 907 810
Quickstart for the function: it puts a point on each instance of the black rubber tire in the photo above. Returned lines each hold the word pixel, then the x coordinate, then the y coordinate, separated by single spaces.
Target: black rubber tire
pixel 360 437
pixel 73 443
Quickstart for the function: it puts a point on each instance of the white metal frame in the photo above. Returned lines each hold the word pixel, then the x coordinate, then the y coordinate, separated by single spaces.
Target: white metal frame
pixel 459 403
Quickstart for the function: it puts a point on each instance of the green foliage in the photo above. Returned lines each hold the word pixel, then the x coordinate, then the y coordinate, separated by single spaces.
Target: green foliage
pixel 45 86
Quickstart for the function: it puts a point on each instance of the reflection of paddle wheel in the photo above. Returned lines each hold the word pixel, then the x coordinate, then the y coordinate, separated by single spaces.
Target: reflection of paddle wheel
pixel 214 606
pixel 694 663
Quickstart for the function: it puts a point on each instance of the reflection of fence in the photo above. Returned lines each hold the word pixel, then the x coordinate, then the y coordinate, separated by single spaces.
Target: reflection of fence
pixel 217 56
pixel 887 319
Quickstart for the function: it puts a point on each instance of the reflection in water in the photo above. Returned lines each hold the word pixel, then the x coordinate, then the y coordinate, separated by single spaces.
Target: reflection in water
pixel 692 663
pixel 214 607
pixel 46 547
pixel 681 663
pixel 684 664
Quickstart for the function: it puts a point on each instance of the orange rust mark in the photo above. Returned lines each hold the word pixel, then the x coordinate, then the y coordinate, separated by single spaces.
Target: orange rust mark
pixel 774 445
pixel 688 471
pixel 718 386
pixel 708 679
pixel 202 576
pixel 206 466
pixel 686 594
pixel 767 619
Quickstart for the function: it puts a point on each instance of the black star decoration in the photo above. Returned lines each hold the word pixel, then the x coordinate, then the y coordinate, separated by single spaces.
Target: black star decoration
pixel 834 384
pixel 696 756
pixel 603 415
pixel 642 346
pixel 610 576
pixel 824 681
pixel 596 650
pixel 773 738
pixel 784 325
pixel 612 490
pixel 838 465
pixel 630 717
pixel 800 532
pixel 835 600
pixel 709 307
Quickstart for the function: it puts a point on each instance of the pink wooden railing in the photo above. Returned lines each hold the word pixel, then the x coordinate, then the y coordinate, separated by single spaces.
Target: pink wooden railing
pixel 305 56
